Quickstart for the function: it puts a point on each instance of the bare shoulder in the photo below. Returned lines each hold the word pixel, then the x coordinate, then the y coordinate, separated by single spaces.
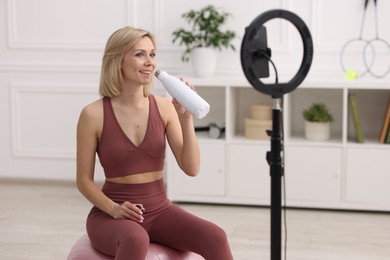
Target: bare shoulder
pixel 164 104
pixel 93 107
pixel 92 112
pixel 165 107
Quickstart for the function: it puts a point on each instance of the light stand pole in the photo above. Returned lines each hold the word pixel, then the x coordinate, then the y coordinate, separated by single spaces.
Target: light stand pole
pixel 275 160
pixel 255 56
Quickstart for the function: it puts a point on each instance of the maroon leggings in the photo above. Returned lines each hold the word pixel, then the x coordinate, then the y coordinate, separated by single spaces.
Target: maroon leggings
pixel 164 223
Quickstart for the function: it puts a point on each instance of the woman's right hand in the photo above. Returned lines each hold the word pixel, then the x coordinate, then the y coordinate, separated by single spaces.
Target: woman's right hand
pixel 128 210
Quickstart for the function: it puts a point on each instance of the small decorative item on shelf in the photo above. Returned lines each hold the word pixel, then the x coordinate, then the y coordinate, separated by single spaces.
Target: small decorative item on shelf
pixel 357 121
pixel 204 38
pixel 260 121
pixel 384 137
pixel 214 131
pixel 317 122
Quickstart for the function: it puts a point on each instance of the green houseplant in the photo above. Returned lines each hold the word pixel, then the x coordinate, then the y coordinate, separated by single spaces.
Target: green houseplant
pixel 317 112
pixel 205 34
pixel 317 122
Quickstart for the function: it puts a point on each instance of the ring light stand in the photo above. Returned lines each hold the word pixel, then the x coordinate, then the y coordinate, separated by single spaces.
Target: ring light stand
pixel 255 56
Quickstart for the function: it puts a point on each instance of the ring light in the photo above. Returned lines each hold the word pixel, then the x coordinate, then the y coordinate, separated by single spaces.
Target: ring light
pixel 255 54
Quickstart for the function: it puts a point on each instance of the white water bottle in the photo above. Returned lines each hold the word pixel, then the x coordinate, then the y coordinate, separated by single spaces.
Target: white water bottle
pixel 187 97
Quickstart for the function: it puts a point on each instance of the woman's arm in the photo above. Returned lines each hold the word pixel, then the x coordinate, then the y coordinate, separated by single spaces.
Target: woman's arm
pixel 182 138
pixel 90 121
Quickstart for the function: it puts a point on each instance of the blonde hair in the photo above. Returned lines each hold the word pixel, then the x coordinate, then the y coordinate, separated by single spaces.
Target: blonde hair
pixel 117 45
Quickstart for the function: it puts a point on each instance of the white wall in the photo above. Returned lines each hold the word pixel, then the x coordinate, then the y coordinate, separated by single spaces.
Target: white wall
pixel 50 53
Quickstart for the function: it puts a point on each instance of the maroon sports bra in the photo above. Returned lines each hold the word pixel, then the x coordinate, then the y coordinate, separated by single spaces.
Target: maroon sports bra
pixel 119 156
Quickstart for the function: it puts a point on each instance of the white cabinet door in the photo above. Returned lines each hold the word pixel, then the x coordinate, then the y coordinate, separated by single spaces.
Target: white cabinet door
pixel 313 174
pixel 368 176
pixel 211 178
pixel 249 174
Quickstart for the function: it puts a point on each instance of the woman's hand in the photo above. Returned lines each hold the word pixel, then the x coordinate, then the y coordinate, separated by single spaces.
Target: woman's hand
pixel 128 210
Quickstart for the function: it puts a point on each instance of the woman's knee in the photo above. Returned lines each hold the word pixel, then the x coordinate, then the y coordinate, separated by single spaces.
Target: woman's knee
pixel 216 245
pixel 132 243
pixel 113 236
pixel 217 236
pixel 129 238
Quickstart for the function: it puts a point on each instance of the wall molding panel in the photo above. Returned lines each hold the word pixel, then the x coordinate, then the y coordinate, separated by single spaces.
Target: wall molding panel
pixel 49 67
pixel 39 131
pixel 19 16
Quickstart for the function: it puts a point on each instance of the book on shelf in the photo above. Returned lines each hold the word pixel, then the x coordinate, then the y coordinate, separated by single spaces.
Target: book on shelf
pixel 387 139
pixel 356 118
pixel 384 136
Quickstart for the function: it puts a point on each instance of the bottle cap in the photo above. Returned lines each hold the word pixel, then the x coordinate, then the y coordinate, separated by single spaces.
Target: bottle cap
pixel 157 73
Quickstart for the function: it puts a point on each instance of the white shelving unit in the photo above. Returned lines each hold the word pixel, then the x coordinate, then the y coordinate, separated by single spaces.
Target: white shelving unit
pixel 336 174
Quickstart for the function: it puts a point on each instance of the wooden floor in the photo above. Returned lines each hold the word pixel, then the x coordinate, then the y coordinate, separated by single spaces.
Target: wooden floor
pixel 41 221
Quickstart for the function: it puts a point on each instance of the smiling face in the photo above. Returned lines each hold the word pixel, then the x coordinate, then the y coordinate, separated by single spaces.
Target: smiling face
pixel 139 63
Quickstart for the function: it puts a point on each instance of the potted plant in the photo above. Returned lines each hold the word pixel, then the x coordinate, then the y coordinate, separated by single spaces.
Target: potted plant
pixel 317 122
pixel 204 39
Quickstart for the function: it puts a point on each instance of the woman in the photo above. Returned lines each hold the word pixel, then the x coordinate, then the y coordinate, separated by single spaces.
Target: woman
pixel 128 128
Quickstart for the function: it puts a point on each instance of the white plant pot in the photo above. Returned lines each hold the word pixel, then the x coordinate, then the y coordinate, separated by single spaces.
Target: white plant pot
pixel 317 131
pixel 204 61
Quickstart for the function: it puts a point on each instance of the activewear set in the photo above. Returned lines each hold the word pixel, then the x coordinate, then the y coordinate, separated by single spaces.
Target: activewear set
pixel 164 222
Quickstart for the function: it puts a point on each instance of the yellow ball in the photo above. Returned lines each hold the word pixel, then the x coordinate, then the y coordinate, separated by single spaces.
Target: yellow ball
pixel 350 74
